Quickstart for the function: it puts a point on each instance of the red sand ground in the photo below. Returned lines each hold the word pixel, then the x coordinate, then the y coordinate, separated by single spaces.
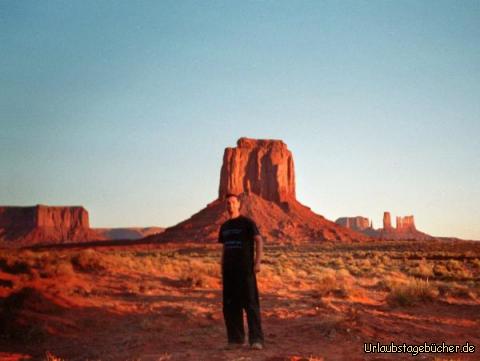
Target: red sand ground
pixel 164 303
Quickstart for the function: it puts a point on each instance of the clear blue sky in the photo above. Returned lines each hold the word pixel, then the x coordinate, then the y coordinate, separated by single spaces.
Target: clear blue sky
pixel 125 107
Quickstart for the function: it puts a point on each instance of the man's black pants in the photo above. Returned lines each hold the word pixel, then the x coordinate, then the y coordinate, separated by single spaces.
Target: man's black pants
pixel 240 292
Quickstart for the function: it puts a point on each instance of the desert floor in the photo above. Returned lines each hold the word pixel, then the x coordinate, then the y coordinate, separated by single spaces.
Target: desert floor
pixel 163 302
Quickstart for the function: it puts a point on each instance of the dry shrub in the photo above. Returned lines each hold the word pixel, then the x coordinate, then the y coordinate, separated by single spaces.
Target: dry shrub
pixel 337 263
pixel 411 292
pixel 50 264
pixel 268 278
pixel 366 265
pixel 440 270
pixel 423 269
pixel 361 267
pixel 331 324
pixel 212 269
pixel 288 274
pixel 56 269
pixel 192 275
pixel 326 284
pixel 386 260
pixel 331 282
pixel 391 279
pixel 452 269
pixel 458 291
pixel 458 269
pixel 88 261
pixel 14 265
pixel 44 264
pixel 354 270
pixel 283 266
pixel 19 315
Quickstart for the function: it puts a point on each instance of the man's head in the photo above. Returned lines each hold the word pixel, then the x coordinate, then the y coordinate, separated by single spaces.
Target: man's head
pixel 233 204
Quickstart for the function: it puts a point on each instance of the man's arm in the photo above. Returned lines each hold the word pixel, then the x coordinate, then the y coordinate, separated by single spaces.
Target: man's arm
pixel 220 240
pixel 258 252
pixel 223 256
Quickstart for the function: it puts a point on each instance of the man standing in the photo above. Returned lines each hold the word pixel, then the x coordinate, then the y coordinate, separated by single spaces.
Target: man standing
pixel 240 263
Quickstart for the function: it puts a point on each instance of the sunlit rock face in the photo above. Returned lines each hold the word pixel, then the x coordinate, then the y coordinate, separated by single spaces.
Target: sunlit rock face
pixel 44 224
pixel 260 166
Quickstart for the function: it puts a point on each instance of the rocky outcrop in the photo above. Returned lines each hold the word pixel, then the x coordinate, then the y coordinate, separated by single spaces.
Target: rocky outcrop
pixel 260 166
pixel 262 172
pixel 44 224
pixel 405 224
pixel 404 230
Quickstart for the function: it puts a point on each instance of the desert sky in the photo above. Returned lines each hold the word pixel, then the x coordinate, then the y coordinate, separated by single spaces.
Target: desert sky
pixel 126 107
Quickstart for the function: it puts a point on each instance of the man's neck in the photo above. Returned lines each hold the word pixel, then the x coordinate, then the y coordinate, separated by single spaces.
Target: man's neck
pixel 233 216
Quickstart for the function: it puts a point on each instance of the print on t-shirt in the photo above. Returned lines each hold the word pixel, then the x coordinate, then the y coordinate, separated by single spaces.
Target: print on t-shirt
pixel 237 234
pixel 232 242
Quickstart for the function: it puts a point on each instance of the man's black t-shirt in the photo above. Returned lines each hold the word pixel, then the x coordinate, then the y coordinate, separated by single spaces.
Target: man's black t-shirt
pixel 237 234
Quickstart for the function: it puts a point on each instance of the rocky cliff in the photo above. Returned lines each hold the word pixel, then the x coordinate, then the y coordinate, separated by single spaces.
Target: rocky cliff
pixel 44 224
pixel 262 172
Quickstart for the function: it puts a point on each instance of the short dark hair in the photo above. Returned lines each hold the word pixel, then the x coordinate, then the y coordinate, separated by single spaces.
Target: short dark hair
pixel 232 195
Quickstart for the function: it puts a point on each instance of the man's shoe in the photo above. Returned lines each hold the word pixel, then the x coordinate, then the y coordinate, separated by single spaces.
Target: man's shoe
pixel 256 346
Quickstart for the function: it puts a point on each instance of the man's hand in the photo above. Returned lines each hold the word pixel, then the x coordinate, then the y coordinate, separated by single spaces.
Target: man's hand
pixel 256 268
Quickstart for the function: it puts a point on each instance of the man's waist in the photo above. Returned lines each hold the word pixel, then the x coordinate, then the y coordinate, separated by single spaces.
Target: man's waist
pixel 237 260
pixel 237 263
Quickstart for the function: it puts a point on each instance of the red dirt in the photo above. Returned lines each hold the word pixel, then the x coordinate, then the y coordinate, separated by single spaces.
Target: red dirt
pixel 122 311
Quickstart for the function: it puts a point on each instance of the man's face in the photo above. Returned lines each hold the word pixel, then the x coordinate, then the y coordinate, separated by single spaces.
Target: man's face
pixel 233 205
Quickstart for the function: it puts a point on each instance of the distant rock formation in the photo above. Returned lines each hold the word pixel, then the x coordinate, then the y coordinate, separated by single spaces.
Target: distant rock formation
pixel 262 172
pixel 387 221
pixel 356 223
pixel 44 224
pixel 405 224
pixel 260 166
pixel 44 216
pixel 41 224
pixel 127 233
pixel 404 230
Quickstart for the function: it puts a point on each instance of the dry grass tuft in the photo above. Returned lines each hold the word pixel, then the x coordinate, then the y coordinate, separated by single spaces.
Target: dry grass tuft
pixel 411 292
